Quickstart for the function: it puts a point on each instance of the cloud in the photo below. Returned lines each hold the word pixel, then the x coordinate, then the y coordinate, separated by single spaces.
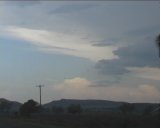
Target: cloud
pixel 21 3
pixel 146 73
pixel 106 42
pixel 146 92
pixel 80 88
pixel 136 48
pixel 6 94
pixel 111 67
pixel 77 82
pixel 61 43
pixel 141 53
pixel 149 30
pixel 73 88
pixel 134 35
pixel 72 8
pixel 140 93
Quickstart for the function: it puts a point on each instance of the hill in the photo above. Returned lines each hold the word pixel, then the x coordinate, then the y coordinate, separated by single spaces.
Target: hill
pixel 98 105
pixel 86 104
pixel 14 105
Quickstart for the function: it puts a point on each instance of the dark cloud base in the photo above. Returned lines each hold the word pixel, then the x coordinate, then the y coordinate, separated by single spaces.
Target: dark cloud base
pixel 141 54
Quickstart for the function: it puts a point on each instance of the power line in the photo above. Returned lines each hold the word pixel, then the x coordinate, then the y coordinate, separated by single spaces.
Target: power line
pixel 40 98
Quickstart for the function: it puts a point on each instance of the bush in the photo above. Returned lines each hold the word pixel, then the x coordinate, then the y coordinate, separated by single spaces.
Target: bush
pixel 29 107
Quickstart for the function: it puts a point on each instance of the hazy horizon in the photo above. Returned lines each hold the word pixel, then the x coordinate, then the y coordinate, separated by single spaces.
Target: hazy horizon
pixel 80 50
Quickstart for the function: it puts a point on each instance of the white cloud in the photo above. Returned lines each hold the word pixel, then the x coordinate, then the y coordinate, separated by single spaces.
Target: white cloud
pixel 77 82
pixel 73 88
pixel 61 43
pixel 146 72
pixel 145 92
pixel 80 88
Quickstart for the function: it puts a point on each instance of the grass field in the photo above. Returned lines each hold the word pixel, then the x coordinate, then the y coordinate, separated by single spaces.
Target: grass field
pixel 24 123
pixel 85 120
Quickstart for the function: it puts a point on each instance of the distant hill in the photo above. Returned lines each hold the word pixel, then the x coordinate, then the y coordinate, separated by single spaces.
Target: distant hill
pixel 86 104
pixel 142 106
pixel 100 105
pixel 93 105
pixel 14 104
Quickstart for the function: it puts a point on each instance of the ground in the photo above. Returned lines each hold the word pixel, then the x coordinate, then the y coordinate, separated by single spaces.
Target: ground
pixel 14 123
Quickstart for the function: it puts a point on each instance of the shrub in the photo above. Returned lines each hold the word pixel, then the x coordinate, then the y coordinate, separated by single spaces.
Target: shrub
pixel 29 107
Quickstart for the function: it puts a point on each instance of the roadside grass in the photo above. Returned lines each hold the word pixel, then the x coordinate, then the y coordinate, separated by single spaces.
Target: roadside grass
pixel 86 120
pixel 28 123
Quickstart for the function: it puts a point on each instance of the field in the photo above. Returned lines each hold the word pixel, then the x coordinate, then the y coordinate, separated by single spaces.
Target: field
pixel 24 123
pixel 85 120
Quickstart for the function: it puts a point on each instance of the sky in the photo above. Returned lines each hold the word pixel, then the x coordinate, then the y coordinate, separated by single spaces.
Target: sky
pixel 80 50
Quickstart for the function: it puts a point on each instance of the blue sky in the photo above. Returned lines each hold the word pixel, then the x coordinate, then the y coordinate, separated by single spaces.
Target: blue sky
pixel 84 50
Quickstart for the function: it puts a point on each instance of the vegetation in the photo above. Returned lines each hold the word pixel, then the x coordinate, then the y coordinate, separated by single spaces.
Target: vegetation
pixel 5 106
pixel 148 110
pixel 158 43
pixel 127 108
pixel 73 116
pixel 57 109
pixel 75 108
pixel 94 120
pixel 29 108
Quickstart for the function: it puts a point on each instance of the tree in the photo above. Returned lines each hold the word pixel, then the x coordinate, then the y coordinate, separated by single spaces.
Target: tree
pixel 158 43
pixel 29 107
pixel 75 108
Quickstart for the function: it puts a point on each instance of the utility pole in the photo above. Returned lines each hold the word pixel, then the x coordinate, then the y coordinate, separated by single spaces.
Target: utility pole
pixel 40 86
